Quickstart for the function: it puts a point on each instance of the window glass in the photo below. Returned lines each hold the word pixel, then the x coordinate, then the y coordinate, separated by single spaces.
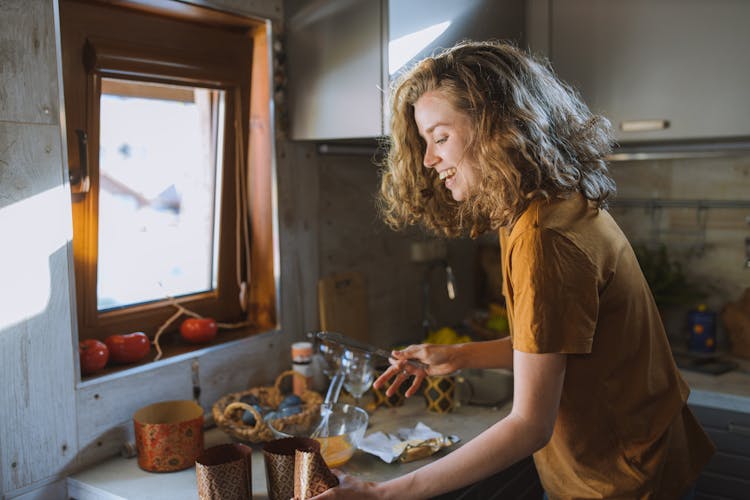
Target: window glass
pixel 159 169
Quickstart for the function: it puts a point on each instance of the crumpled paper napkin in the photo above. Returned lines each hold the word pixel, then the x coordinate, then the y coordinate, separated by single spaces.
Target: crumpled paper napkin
pixel 389 447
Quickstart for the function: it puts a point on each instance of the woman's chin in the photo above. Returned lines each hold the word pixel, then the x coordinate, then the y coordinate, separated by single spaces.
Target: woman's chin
pixel 457 195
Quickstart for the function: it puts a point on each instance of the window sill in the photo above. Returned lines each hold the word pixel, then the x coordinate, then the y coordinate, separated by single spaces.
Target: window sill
pixel 175 350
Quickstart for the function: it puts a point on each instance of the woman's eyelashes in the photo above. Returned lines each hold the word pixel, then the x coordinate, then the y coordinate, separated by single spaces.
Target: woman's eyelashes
pixel 441 140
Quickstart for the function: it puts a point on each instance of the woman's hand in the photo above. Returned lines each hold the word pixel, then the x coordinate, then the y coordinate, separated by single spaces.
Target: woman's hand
pixel 439 359
pixel 350 487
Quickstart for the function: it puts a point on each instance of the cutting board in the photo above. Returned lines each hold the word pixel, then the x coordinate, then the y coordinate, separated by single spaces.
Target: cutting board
pixel 342 303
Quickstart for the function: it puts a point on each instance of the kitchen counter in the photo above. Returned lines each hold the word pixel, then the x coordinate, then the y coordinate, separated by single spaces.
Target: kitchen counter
pixel 728 391
pixel 120 478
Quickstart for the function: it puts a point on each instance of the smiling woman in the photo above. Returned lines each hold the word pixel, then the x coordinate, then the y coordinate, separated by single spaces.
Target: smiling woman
pixel 156 106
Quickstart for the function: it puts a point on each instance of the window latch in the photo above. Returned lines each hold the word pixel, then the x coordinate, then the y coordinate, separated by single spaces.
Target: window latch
pixel 79 180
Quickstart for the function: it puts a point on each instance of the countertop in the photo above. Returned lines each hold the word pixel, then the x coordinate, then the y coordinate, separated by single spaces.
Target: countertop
pixel 121 478
pixel 728 391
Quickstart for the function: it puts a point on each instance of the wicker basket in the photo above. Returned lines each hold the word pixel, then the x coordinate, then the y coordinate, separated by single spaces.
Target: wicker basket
pixel 228 410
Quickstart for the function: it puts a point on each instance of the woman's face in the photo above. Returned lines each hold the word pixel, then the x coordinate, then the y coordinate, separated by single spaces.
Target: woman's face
pixel 447 132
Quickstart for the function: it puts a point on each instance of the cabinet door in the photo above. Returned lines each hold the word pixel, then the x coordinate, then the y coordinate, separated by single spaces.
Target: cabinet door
pixel 417 29
pixel 343 54
pixel 642 63
pixel 334 67
pixel 727 475
pixel 421 28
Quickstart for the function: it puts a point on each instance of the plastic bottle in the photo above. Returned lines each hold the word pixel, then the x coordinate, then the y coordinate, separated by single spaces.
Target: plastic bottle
pixel 302 353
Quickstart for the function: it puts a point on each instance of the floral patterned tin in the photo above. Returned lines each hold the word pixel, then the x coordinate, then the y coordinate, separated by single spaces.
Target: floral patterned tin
pixel 168 435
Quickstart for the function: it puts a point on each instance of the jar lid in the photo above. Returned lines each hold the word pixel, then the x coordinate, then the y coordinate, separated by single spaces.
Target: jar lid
pixel 302 351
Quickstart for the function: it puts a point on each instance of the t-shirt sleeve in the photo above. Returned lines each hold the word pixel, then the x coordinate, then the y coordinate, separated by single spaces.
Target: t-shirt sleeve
pixel 554 294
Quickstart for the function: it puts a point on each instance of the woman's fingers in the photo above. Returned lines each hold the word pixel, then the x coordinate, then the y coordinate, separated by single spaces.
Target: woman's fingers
pixel 387 375
pixel 401 377
pixel 401 369
pixel 410 352
pixel 416 384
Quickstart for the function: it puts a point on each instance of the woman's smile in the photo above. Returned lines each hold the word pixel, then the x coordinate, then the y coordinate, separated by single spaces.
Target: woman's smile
pixel 448 174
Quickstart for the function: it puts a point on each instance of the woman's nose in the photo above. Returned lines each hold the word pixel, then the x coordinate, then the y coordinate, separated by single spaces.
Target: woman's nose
pixel 430 160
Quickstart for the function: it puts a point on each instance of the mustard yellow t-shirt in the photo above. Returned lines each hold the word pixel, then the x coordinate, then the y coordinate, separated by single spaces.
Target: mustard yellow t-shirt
pixel 573 285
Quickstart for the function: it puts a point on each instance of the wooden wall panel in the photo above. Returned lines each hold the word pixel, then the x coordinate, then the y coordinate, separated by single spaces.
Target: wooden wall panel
pixel 30 162
pixel 105 407
pixel 28 68
pixel 249 363
pixel 37 411
pixel 54 490
pixel 299 232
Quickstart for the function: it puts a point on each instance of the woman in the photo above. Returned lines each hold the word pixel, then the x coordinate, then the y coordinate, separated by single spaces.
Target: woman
pixel 486 138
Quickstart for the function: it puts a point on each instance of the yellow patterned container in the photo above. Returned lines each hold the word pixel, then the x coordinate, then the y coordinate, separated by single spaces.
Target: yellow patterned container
pixel 440 393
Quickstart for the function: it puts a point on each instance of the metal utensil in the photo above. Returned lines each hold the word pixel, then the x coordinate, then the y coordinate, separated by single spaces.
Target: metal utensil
pixel 355 345
pixel 332 396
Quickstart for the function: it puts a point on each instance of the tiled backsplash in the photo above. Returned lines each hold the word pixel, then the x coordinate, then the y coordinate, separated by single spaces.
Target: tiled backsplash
pixel 709 243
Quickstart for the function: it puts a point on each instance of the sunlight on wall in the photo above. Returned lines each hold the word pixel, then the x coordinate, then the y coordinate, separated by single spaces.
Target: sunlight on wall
pixel 403 49
pixel 36 228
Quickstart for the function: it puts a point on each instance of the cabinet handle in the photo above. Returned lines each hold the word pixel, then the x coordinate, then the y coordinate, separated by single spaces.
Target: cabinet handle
pixel 643 125
pixel 740 430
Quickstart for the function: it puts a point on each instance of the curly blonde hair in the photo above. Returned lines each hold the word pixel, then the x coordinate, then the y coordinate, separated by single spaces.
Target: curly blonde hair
pixel 532 138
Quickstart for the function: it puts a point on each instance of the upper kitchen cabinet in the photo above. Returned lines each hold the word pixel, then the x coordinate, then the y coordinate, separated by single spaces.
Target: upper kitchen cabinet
pixel 343 54
pixel 660 70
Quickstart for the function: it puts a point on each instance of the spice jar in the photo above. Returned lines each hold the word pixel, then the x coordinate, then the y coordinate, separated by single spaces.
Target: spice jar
pixel 302 353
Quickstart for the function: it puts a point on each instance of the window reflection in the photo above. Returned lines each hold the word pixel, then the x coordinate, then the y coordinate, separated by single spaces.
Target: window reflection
pixel 403 49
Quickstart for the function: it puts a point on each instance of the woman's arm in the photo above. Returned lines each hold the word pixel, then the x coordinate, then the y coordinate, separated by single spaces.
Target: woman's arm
pixel 538 381
pixel 489 354
pixel 444 359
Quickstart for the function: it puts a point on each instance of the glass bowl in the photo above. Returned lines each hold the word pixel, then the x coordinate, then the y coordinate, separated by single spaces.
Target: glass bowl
pixel 346 428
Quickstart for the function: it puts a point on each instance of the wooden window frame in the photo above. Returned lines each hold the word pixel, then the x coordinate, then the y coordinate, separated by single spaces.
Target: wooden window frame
pixel 234 60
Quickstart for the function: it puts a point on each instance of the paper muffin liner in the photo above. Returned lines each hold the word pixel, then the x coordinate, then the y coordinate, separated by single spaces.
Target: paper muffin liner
pixel 279 457
pixel 224 472
pixel 311 475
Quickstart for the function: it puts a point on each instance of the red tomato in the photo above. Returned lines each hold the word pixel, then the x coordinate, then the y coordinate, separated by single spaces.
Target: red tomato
pixel 128 348
pixel 94 355
pixel 198 330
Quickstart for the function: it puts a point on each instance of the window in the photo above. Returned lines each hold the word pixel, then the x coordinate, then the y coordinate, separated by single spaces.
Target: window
pixel 168 178
pixel 159 210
